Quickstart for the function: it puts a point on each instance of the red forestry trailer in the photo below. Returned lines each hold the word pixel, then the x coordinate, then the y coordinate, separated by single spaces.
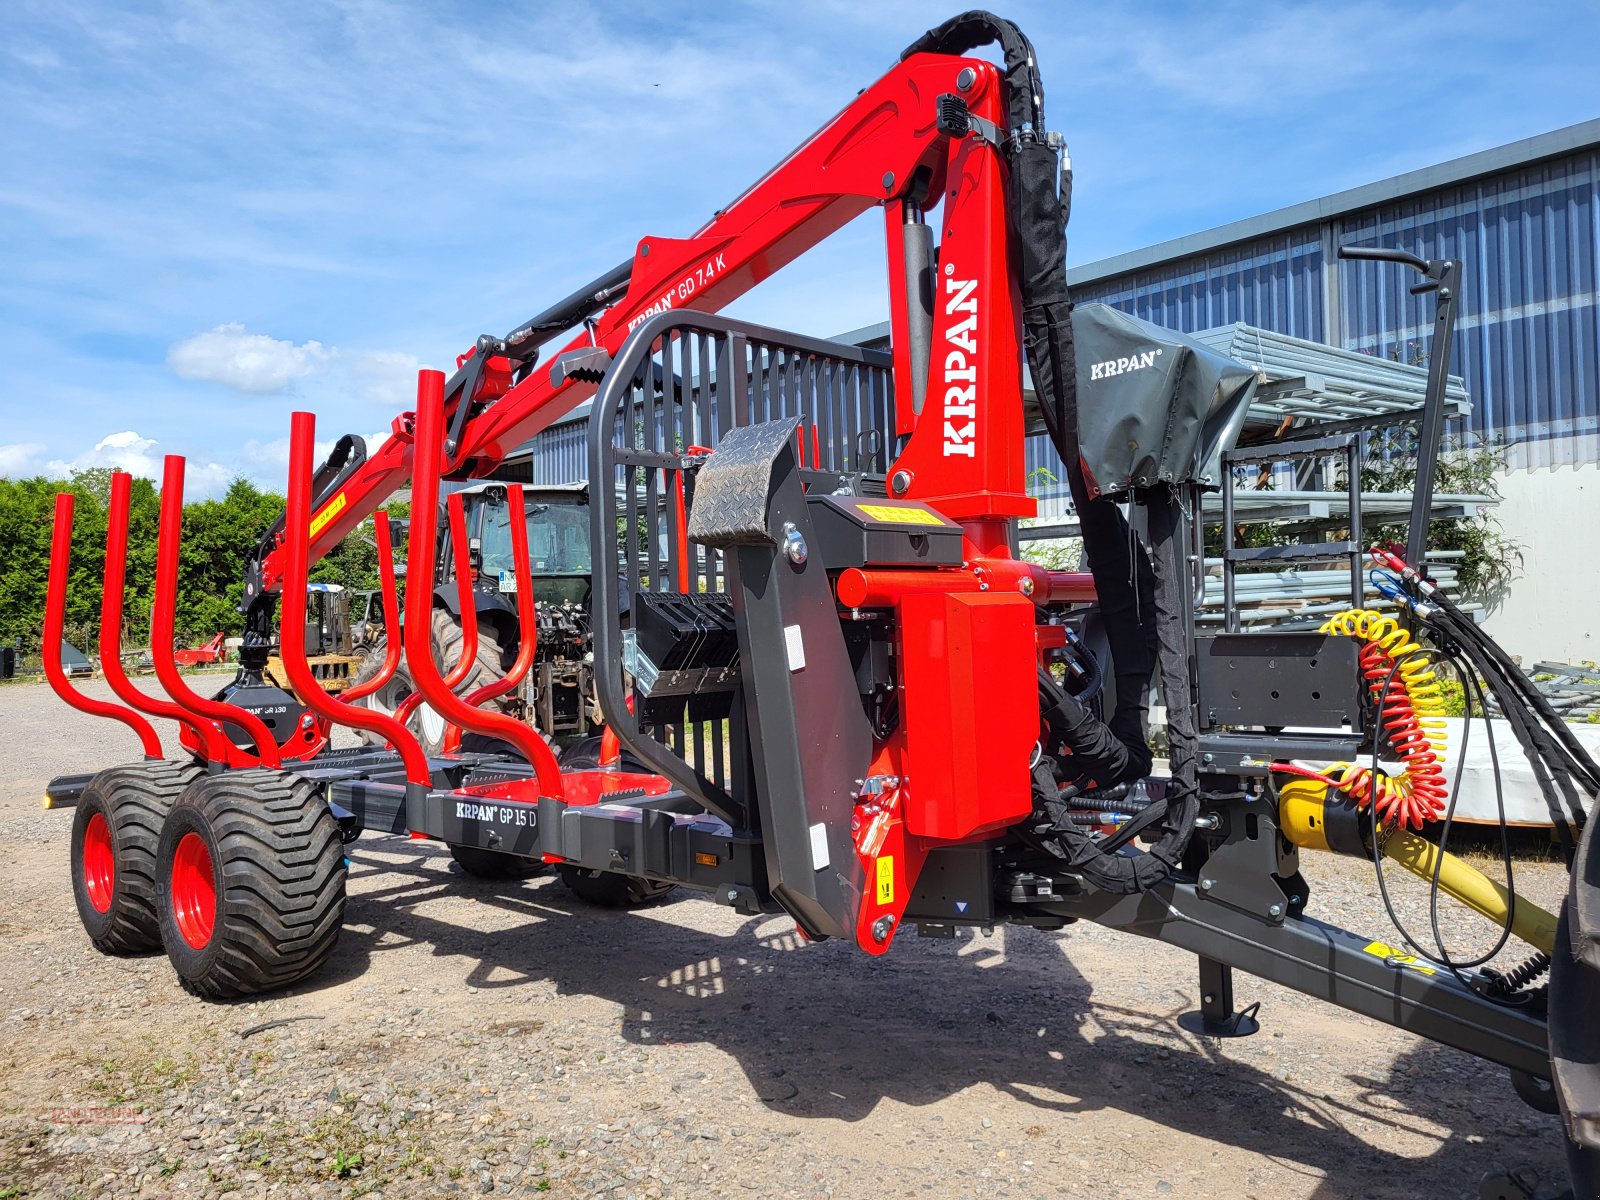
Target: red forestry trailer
pixel 833 687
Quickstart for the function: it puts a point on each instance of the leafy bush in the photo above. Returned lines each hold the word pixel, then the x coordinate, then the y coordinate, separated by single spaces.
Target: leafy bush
pixel 217 536
pixel 1491 560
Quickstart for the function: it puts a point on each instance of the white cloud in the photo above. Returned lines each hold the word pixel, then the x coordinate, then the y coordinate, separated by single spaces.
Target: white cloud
pixel 247 362
pixel 258 364
pixel 20 459
pixel 387 377
pixel 268 462
pixel 141 456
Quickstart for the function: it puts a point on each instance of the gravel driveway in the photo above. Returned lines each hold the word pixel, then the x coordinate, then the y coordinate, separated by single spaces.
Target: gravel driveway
pixel 502 1038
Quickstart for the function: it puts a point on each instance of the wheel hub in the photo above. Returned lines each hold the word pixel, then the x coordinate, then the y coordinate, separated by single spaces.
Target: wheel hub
pixel 194 891
pixel 99 863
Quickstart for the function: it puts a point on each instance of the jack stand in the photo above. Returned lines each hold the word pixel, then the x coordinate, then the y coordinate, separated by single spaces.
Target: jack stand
pixel 1216 1017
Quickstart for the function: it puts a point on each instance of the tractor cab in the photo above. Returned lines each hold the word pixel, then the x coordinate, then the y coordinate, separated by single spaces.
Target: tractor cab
pixel 558 541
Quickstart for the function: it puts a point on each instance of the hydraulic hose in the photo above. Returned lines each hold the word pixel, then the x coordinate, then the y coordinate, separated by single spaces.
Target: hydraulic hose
pixel 1304 819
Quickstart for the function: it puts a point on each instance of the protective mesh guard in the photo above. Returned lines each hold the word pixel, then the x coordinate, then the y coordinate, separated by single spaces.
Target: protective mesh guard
pixel 683 385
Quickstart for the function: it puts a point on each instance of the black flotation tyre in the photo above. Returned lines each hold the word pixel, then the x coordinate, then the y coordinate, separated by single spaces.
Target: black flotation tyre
pixel 115 832
pixel 251 883
pixel 492 864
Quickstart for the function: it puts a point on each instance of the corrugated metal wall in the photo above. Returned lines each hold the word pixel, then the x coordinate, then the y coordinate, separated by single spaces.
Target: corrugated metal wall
pixel 1275 283
pixel 1528 334
pixel 560 454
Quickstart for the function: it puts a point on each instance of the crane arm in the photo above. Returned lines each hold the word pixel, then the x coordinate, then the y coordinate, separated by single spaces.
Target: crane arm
pixel 884 148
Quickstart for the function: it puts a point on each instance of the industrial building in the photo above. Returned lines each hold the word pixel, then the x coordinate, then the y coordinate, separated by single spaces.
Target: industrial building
pixel 1524 219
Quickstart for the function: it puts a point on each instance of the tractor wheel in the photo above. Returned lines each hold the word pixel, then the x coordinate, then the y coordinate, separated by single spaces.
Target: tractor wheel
pixel 492 864
pixel 585 756
pixel 387 698
pixel 608 889
pixel 250 883
pixel 115 830
pixel 491 665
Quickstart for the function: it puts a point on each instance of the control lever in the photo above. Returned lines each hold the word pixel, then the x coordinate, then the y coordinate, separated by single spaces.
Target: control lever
pixel 1439 276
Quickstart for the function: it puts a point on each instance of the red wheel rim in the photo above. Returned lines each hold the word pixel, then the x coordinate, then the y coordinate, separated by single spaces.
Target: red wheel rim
pixel 194 891
pixel 99 863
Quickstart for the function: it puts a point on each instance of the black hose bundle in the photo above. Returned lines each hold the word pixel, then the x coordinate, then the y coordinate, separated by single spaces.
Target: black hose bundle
pixel 1563 768
pixel 1142 596
pixel 1560 763
pixel 1039 203
pixel 1096 752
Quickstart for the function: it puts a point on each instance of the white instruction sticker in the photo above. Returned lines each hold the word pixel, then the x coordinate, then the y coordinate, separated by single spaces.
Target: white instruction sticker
pixel 819 846
pixel 796 647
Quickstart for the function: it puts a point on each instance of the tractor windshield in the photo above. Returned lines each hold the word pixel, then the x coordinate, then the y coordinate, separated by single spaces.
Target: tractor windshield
pixel 558 537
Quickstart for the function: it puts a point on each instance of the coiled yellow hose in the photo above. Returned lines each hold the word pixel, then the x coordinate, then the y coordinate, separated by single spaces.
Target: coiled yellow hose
pixel 1412 715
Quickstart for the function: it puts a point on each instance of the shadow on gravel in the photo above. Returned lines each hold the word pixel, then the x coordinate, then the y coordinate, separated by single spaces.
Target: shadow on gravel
pixel 821 1031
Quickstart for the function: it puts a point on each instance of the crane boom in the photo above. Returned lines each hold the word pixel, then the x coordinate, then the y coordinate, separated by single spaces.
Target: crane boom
pixel 884 148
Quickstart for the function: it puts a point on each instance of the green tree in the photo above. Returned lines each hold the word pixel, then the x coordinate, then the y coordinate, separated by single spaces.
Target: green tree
pixel 218 536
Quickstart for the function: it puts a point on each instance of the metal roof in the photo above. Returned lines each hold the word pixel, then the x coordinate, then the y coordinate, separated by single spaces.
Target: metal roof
pixel 1584 135
pixel 1324 384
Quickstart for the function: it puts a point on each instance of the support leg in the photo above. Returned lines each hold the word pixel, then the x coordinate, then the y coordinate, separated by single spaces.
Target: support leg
pixel 1216 1016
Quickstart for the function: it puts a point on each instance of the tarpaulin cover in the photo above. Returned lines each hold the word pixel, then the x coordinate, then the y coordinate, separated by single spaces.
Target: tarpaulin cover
pixel 1154 406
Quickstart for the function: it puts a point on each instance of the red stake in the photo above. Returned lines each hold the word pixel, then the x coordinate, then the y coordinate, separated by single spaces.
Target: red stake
pixel 680 514
pixel 55 607
pixel 527 616
pixel 391 613
pixel 465 600
pixel 296 538
pixel 163 614
pixel 206 735
pixel 419 599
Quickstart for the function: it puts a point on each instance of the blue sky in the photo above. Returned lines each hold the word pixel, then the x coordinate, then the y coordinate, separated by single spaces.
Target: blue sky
pixel 212 214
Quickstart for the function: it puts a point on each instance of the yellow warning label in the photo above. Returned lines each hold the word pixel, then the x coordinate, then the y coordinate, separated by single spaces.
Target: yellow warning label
pixel 1398 957
pixel 900 516
pixel 886 880
pixel 333 508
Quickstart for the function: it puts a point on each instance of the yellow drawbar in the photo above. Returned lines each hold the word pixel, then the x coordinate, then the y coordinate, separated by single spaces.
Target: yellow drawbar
pixel 1302 815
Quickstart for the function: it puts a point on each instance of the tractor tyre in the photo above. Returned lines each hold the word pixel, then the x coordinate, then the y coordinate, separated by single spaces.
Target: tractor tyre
pixel 492 864
pixel 115 831
pixel 608 889
pixel 585 756
pixel 387 698
pixel 491 665
pixel 250 883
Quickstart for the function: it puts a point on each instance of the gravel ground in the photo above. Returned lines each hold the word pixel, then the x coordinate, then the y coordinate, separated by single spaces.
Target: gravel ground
pixel 502 1038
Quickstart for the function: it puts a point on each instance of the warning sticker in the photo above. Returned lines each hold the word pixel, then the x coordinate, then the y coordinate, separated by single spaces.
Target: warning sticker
pixel 900 516
pixel 1397 958
pixel 886 879
pixel 333 508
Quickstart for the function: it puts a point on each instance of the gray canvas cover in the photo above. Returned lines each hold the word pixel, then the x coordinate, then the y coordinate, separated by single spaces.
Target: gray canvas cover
pixel 1154 406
